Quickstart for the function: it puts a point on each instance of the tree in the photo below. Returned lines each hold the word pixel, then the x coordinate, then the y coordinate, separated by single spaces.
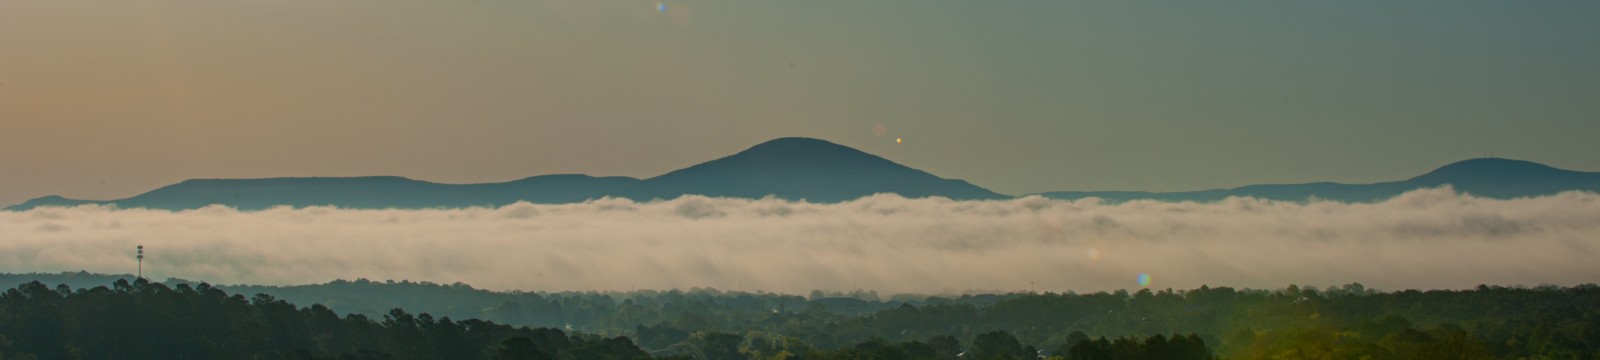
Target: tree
pixel 945 345
pixel 720 346
pixel 519 348
pixel 996 344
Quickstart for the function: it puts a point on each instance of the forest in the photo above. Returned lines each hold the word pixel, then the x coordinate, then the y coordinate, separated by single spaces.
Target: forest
pixel 176 319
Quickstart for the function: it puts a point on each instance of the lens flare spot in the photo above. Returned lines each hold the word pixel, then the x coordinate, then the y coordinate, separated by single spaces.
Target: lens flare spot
pixel 661 7
pixel 899 140
pixel 1144 280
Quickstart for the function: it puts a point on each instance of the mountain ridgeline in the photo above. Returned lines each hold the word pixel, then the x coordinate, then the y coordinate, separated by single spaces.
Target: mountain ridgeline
pixel 788 168
pixel 801 168
pixel 1486 177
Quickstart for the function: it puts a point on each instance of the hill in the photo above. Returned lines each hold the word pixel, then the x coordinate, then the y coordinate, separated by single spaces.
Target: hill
pixel 790 168
pixel 1486 177
pixel 802 168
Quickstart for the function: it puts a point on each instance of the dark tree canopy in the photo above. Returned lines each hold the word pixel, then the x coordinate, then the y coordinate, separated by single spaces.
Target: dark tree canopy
pixel 142 320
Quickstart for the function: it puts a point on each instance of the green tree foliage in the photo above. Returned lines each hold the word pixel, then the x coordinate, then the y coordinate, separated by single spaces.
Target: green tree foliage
pixel 456 321
pixel 997 344
pixel 945 346
pixel 1156 347
pixel 142 320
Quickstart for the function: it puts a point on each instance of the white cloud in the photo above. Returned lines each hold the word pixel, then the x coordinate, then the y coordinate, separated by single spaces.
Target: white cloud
pixel 1423 239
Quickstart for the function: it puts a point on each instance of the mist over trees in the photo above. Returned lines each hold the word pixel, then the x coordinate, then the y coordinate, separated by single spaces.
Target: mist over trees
pixel 882 242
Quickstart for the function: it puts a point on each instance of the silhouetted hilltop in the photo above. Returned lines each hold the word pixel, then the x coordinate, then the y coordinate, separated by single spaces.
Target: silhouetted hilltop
pixel 52 200
pixel 1486 177
pixel 254 194
pixel 1506 178
pixel 802 168
pixel 372 192
pixel 790 168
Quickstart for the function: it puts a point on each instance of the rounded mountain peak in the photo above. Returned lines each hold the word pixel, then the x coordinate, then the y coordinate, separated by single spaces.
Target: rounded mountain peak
pixel 1490 167
pixel 799 151
pixel 800 144
pixel 802 168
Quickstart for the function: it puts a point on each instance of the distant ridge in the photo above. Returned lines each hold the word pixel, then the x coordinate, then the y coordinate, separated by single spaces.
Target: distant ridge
pixel 52 200
pixel 789 168
pixel 369 192
pixel 802 168
pixel 1485 177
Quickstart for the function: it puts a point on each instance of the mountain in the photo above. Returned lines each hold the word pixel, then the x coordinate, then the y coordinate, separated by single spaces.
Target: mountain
pixel 372 192
pixel 357 192
pixel 52 200
pixel 802 168
pixel 789 168
pixel 1486 177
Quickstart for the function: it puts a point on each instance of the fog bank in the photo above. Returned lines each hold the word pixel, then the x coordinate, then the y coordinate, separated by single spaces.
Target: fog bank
pixel 1423 239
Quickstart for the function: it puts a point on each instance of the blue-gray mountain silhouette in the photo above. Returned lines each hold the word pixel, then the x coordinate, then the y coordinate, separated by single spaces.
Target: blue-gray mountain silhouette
pixel 802 168
pixel 52 200
pixel 370 192
pixel 789 168
pixel 1485 177
pixel 374 192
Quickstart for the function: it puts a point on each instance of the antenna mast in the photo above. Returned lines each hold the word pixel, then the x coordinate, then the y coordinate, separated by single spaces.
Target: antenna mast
pixel 141 261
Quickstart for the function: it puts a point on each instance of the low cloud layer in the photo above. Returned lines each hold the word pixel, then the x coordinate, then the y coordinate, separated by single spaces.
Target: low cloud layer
pixel 1424 239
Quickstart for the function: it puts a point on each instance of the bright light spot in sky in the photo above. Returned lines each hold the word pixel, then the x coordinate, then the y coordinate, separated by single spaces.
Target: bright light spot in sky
pixel 1144 280
pixel 898 140
pixel 661 7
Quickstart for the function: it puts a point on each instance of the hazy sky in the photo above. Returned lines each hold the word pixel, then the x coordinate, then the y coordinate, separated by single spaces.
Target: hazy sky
pixel 105 99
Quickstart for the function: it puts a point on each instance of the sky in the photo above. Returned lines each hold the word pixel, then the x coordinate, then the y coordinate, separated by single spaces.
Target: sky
pixel 105 100
pixel 1425 239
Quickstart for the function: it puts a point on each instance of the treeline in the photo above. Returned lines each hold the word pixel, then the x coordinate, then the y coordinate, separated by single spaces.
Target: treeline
pixel 1348 322
pixel 1293 322
pixel 144 320
pixel 1351 321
